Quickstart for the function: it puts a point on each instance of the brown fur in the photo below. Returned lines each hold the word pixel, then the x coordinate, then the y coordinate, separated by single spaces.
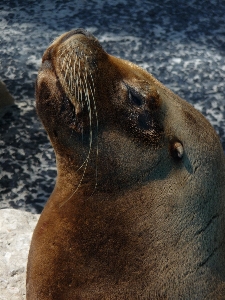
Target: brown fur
pixel 138 207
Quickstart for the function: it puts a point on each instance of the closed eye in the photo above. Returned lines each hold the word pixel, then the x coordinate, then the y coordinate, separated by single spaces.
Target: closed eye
pixel 134 97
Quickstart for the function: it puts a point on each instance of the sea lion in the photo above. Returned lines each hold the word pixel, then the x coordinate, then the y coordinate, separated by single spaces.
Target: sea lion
pixel 137 211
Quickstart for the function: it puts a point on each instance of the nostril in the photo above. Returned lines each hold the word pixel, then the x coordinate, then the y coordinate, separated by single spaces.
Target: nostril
pixel 74 32
pixel 80 31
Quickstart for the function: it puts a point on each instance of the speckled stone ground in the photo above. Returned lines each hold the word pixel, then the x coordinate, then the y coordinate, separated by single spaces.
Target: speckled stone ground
pixel 16 229
pixel 182 43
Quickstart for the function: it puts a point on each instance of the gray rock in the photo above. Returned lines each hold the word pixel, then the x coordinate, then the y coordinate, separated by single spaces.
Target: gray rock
pixel 16 228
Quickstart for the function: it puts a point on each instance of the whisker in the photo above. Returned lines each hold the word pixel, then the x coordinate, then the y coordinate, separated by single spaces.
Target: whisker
pixel 81 86
pixel 74 192
pixel 65 75
pixel 85 163
pixel 96 116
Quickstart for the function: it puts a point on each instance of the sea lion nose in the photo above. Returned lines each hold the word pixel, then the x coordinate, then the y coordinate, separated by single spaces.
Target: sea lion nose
pixel 80 31
pixel 75 32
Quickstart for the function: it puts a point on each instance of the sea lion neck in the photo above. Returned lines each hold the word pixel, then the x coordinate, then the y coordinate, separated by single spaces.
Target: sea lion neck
pixel 163 241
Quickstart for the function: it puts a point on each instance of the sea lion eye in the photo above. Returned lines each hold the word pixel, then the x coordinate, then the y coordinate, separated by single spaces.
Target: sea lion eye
pixel 134 97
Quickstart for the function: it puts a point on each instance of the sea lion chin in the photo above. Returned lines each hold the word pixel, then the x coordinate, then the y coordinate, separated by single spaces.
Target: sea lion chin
pixel 137 211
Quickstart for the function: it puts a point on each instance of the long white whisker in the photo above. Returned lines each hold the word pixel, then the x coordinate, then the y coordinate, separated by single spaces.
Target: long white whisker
pixel 96 116
pixel 80 84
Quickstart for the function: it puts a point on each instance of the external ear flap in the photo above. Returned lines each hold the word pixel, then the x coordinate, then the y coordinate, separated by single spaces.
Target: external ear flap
pixel 176 149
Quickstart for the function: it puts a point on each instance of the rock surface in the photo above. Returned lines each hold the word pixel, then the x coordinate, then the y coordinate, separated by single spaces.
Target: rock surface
pixel 16 229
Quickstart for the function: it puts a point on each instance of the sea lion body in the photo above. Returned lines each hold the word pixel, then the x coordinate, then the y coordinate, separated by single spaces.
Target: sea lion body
pixel 138 207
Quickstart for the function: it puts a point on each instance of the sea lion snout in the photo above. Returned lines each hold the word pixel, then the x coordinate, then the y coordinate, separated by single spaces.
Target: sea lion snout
pixel 79 31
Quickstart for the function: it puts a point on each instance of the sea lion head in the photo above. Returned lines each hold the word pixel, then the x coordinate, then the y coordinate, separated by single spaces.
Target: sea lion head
pixel 119 132
pixel 111 116
pixel 97 111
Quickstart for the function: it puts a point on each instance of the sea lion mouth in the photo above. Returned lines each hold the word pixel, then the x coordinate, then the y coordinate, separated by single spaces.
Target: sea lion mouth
pixel 75 76
pixel 72 68
pixel 72 62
